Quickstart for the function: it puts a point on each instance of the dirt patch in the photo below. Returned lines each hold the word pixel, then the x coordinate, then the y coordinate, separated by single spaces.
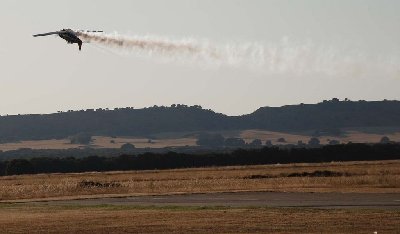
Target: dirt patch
pixel 324 173
pixel 95 184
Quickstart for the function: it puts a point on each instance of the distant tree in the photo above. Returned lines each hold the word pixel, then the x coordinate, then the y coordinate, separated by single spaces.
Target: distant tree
pixel 281 140
pixel 268 143
pixel 112 142
pixel 300 143
pixel 234 142
pixel 256 143
pixel 128 147
pixel 314 142
pixel 81 138
pixel 210 140
pixel 385 140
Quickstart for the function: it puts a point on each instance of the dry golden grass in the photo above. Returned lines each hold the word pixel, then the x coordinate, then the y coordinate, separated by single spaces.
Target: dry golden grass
pixel 114 219
pixel 39 144
pixel 178 140
pixel 99 142
pixel 378 176
pixel 105 142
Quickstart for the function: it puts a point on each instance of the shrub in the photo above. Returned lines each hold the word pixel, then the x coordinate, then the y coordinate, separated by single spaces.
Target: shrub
pixel 256 143
pixel 314 142
pixel 128 147
pixel 281 140
pixel 235 142
pixel 385 140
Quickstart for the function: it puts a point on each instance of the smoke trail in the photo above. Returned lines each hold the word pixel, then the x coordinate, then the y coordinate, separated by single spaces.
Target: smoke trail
pixel 187 51
pixel 151 46
pixel 283 57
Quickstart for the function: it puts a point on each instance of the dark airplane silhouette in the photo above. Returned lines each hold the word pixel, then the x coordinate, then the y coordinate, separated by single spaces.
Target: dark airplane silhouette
pixel 69 35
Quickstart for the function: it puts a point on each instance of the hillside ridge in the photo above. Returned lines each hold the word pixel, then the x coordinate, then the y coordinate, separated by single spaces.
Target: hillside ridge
pixel 327 116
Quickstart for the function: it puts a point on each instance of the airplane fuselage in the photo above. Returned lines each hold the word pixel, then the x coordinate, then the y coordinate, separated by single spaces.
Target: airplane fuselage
pixel 71 38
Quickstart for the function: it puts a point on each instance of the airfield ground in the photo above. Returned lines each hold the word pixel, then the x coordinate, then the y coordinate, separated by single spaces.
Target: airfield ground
pixel 363 177
pixel 29 218
pixel 344 197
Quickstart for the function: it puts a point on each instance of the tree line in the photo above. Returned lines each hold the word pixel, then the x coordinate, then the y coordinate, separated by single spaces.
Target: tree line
pixel 171 160
pixel 325 118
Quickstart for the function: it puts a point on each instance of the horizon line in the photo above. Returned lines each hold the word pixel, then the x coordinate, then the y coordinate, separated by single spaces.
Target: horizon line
pixel 194 106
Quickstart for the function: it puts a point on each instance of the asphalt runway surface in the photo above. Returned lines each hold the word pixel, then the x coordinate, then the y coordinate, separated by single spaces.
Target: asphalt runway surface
pixel 250 199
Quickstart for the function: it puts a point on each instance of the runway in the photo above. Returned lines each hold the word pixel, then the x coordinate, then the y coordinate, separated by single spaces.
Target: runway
pixel 250 199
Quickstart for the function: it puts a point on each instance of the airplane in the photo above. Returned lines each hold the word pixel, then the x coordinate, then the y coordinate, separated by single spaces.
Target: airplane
pixel 69 35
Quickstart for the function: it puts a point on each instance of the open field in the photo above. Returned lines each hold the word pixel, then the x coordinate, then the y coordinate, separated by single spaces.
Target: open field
pixel 133 219
pixel 189 139
pixel 99 142
pixel 47 206
pixel 365 177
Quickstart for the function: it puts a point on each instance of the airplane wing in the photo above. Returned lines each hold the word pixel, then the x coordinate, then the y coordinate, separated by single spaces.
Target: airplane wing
pixel 46 34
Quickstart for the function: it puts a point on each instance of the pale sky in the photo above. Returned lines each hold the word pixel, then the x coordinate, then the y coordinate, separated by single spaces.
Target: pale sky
pixel 44 75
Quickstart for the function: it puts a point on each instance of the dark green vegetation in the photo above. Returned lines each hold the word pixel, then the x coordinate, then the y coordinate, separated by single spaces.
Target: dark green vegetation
pixel 328 117
pixel 81 138
pixel 150 161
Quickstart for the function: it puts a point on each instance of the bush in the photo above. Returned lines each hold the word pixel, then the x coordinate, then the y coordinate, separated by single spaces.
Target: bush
pixel 256 143
pixel 128 147
pixel 268 143
pixel 385 140
pixel 281 140
pixel 235 142
pixel 300 143
pixel 314 142
pixel 95 184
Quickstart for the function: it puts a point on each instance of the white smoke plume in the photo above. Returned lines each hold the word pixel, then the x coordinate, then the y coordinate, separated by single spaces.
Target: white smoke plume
pixel 283 57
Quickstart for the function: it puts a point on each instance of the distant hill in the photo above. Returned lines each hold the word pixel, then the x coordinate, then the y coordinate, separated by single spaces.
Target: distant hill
pixel 328 116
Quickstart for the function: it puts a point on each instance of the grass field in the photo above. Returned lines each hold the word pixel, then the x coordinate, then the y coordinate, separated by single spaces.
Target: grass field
pixel 376 176
pixel 131 219
pixel 189 139
pixel 29 217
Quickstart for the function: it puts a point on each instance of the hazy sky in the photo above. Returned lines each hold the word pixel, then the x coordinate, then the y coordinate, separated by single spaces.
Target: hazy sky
pixel 324 48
